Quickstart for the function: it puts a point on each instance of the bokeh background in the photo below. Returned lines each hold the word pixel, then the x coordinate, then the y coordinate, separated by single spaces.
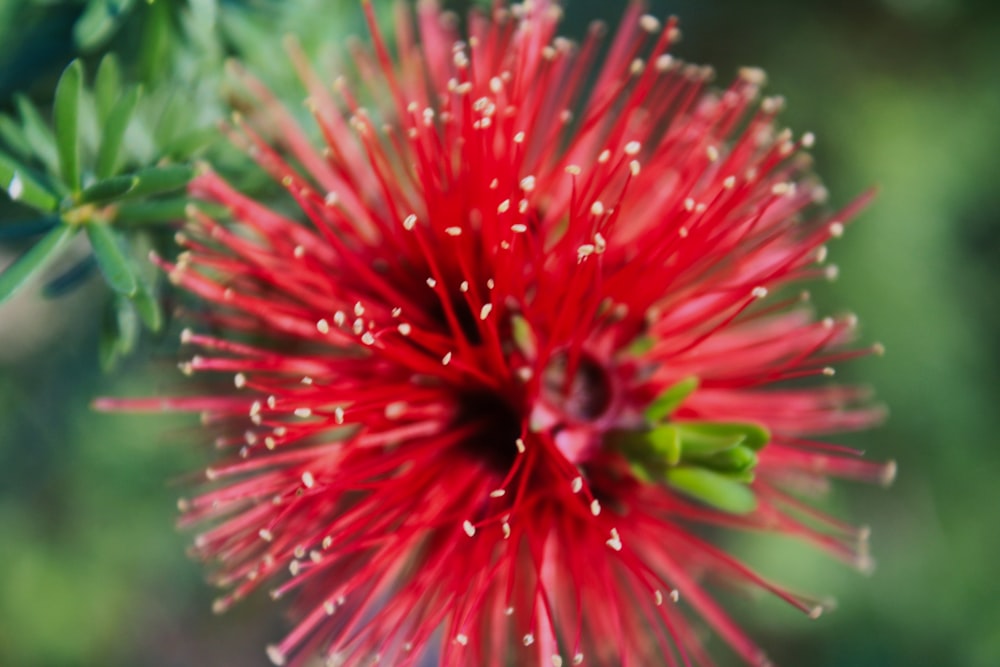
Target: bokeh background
pixel 902 94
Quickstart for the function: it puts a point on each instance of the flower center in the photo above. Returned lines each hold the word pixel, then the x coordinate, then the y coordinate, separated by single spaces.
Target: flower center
pixel 496 426
pixel 583 393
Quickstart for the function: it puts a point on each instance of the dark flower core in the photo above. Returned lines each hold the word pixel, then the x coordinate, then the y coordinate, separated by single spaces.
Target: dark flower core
pixel 583 393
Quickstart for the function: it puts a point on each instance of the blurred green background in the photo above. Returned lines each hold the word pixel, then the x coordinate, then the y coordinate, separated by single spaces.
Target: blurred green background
pixel 903 94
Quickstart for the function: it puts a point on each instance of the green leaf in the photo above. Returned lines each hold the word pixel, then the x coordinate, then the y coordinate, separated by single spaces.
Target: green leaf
pixel 22 187
pixel 99 21
pixel 119 333
pixel 38 134
pixel 156 180
pixel 108 189
pixel 110 258
pixel 151 212
pixel 148 307
pixel 708 436
pixel 713 489
pixel 24 267
pixel 12 134
pixel 665 404
pixel 22 229
pixel 107 86
pixel 665 444
pixel 114 132
pixel 738 459
pixel 187 144
pixel 66 113
pixel 128 326
pixel 70 279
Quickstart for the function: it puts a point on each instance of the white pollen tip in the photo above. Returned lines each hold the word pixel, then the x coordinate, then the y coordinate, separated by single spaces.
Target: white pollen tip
pixel 816 612
pixel 303 412
pixel 577 484
pixel 410 222
pixel 632 148
pixel 276 656
pixel 878 349
pixel 557 660
pixel 323 327
pixel 519 443
pixel 753 75
pixel 888 475
pixel 650 23
pixel 528 639
pixel 578 659
pixel 498 493
pixel 595 507
pixel 186 335
pixel 615 542
pixel 829 371
pixel 484 312
pixel 597 208
pixel 240 380
pixel 462 639
pixel 453 231
pixel 675 595
pixel 265 535
pixel 759 292
pixel 836 229
pixel 808 140
pixel 308 480
pixel 404 329
pixel 658 598
pixel 469 529
pixel 528 183
pixel 446 359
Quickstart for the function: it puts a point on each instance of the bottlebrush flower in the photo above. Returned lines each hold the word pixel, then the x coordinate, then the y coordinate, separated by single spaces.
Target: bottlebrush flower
pixel 522 341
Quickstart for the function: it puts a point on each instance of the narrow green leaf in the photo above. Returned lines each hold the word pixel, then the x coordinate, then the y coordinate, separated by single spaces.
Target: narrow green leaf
pixel 156 180
pixel 665 444
pixel 187 144
pixel 24 267
pixel 697 444
pixel 107 86
pixel 665 404
pixel 114 132
pixel 70 279
pixel 99 21
pixel 110 258
pixel 38 134
pixel 66 113
pixel 712 488
pixel 106 190
pixel 12 134
pixel 22 187
pixel 737 459
pixel 704 433
pixel 148 307
pixel 127 324
pixel 22 229
pixel 151 212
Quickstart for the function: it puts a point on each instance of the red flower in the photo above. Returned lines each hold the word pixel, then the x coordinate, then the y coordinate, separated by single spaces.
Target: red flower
pixel 530 337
